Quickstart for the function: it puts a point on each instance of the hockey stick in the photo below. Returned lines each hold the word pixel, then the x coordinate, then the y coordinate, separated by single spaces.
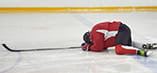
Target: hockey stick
pixel 39 49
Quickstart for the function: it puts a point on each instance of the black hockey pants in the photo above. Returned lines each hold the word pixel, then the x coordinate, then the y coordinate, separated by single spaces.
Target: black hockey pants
pixel 124 35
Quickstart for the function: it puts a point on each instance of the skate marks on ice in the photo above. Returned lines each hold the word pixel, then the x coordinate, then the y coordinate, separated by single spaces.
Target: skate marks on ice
pixel 9 61
pixel 83 20
pixel 73 62
pixel 147 62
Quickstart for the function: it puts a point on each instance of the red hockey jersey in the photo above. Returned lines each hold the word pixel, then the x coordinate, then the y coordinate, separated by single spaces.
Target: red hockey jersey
pixel 103 35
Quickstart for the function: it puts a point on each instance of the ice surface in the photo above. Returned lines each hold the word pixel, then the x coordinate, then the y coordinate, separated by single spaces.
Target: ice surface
pixel 22 31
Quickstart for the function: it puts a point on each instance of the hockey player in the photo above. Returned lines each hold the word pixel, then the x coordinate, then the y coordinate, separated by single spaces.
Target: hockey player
pixel 109 34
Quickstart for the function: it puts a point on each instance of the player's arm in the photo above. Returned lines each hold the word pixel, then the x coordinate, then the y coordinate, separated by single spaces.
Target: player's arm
pixel 98 42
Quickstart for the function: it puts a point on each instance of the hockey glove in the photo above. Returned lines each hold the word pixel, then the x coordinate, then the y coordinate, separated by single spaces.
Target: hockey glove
pixel 85 47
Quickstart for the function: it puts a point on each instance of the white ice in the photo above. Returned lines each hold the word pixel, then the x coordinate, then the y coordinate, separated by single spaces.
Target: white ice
pixel 26 31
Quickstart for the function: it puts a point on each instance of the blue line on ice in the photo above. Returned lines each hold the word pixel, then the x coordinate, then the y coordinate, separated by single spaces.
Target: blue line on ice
pixel 18 60
pixel 147 62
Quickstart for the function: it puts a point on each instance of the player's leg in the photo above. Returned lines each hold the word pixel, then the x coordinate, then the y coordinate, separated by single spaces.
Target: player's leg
pixel 122 50
pixel 142 45
pixel 124 35
pixel 123 39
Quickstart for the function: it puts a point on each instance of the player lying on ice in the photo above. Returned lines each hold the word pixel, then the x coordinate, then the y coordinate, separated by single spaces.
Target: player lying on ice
pixel 109 34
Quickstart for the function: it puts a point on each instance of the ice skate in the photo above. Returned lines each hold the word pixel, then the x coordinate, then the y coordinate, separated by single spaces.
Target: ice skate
pixel 150 46
pixel 145 53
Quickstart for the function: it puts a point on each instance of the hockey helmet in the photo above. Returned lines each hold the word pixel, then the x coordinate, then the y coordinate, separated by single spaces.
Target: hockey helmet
pixel 86 38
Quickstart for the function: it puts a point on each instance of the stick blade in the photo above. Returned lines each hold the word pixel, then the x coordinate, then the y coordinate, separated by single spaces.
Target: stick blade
pixel 6 47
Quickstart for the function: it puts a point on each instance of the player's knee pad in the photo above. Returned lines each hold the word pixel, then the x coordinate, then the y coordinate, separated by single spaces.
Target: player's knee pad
pixel 119 49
